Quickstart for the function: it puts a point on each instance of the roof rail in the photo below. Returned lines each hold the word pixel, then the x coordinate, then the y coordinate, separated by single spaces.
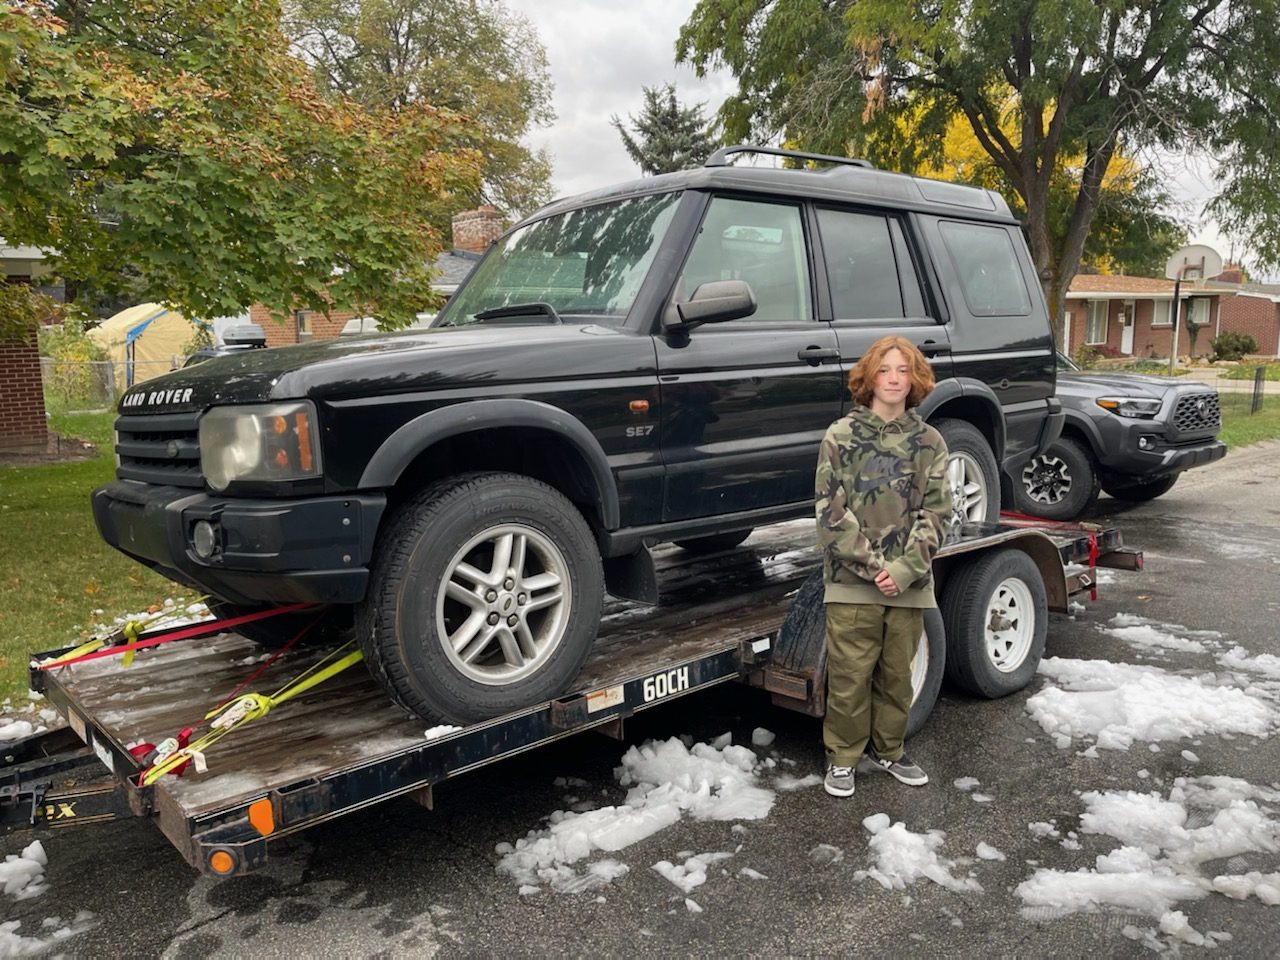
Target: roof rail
pixel 721 157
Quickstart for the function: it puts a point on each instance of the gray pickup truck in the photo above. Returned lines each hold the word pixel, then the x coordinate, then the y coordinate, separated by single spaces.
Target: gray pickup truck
pixel 1130 435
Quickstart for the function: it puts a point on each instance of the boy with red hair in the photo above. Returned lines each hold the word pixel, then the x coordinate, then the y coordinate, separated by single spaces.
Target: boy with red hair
pixel 883 505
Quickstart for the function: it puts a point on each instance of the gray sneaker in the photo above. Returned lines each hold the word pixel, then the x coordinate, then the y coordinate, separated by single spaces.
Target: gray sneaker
pixel 904 769
pixel 838 781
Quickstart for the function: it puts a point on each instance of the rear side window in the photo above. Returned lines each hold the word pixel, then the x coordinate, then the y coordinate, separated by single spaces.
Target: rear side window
pixel 862 251
pixel 988 269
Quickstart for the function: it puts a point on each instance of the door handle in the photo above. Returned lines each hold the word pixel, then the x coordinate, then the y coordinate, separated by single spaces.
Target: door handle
pixel 929 348
pixel 815 355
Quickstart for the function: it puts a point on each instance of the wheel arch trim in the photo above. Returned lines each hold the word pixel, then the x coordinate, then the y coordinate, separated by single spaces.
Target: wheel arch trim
pixel 413 438
pixel 954 390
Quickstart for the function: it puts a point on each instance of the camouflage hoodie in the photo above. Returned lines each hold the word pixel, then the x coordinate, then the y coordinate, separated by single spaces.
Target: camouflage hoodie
pixel 882 504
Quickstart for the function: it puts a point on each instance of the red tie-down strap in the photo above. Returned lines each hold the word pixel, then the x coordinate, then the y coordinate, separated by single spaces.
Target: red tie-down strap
pixel 201 629
pixel 1093 565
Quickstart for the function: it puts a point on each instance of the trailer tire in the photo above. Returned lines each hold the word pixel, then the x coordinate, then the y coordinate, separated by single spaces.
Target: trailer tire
pixel 715 542
pixel 802 642
pixel 996 617
pixel 484 598
pixel 332 624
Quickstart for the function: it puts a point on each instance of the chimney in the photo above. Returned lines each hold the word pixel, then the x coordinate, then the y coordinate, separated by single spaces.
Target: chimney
pixel 1231 273
pixel 474 230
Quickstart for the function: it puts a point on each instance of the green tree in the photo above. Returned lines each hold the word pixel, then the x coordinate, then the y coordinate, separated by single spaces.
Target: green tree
pixel 179 144
pixel 1088 79
pixel 474 57
pixel 668 137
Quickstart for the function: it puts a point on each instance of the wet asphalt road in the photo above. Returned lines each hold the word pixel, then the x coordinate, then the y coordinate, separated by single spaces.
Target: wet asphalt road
pixel 398 880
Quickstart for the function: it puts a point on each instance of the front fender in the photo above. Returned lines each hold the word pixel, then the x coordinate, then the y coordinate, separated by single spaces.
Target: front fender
pixel 970 400
pixel 402 447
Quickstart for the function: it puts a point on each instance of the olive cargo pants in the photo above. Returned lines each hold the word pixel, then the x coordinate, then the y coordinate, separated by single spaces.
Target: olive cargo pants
pixel 869 652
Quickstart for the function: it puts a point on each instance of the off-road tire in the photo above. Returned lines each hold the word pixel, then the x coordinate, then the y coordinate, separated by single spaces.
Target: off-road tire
pixel 967 445
pixel 993 664
pixel 715 542
pixel 419 553
pixel 1065 471
pixel 1133 490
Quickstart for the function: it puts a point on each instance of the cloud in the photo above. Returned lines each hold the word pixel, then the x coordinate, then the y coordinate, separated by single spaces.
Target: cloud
pixel 601 53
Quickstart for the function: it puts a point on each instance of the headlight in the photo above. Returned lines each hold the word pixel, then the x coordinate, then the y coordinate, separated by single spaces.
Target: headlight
pixel 1130 407
pixel 278 441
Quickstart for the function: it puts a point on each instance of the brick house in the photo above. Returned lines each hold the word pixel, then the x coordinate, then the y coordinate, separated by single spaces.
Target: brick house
pixel 23 424
pixel 1133 315
pixel 1252 308
pixel 473 231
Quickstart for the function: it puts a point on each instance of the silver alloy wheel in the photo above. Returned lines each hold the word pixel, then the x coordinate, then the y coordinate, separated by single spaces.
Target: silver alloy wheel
pixel 1010 625
pixel 1046 479
pixel 920 666
pixel 968 488
pixel 504 605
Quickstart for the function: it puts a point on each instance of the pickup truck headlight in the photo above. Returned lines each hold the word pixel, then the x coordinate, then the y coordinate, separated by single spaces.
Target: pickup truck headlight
pixel 278 441
pixel 1130 407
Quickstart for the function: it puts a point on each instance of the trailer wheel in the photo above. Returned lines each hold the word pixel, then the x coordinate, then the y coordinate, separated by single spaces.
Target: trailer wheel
pixel 802 645
pixel 715 542
pixel 332 624
pixel 996 616
pixel 484 598
pixel 972 472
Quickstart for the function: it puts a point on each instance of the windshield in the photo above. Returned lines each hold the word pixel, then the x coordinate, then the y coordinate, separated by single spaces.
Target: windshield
pixel 586 263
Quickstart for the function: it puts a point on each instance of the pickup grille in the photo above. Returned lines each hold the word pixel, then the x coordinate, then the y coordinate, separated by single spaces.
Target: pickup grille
pixel 1197 413
pixel 162 449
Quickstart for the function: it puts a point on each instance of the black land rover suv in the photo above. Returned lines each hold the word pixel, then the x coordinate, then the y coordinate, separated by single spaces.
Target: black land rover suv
pixel 657 361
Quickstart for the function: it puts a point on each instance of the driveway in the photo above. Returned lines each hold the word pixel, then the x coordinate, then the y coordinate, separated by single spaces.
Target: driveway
pixel 1028 840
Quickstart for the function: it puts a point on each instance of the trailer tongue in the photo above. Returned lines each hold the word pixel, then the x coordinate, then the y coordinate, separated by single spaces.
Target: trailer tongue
pixel 742 615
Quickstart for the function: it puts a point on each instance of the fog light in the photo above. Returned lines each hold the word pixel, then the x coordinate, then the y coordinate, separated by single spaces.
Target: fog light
pixel 1146 443
pixel 204 538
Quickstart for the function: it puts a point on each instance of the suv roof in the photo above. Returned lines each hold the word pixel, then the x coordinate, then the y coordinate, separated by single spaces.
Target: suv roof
pixel 843 180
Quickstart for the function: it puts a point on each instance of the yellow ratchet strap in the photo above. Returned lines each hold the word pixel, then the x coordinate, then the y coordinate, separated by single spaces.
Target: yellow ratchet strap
pixel 248 707
pixel 128 633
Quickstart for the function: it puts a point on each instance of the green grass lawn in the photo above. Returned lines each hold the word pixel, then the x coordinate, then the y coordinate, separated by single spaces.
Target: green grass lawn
pixel 55 570
pixel 1240 428
pixel 1246 372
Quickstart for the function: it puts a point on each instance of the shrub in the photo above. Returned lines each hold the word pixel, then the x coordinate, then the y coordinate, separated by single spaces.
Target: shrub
pixel 1088 356
pixel 72 381
pixel 1232 346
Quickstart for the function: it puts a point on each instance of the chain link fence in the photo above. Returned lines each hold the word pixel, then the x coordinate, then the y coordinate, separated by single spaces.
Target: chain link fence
pixel 94 384
pixel 1249 395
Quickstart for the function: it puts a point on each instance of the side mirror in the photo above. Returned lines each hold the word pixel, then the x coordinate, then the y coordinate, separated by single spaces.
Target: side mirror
pixel 712 302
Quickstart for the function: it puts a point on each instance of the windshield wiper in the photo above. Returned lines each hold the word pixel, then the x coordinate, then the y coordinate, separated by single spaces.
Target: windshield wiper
pixel 521 311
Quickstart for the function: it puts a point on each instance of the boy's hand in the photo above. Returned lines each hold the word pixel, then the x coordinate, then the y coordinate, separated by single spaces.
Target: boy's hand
pixel 885 584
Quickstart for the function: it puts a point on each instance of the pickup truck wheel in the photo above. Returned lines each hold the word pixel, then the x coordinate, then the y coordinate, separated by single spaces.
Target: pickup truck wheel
pixel 972 472
pixel 715 542
pixel 1059 484
pixel 332 624
pixel 484 598
pixel 996 617
pixel 1139 491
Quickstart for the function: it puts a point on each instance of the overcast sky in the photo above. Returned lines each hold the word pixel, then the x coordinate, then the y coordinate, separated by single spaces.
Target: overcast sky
pixel 601 52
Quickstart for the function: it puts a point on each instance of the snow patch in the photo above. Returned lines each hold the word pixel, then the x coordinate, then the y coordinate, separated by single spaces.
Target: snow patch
pixel 692 873
pixel 903 857
pixel 761 737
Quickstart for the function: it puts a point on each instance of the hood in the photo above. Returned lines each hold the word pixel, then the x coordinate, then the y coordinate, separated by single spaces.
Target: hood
pixel 418 360
pixel 1072 383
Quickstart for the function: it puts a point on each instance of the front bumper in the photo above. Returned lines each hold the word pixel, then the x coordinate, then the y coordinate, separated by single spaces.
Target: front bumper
pixel 1121 450
pixel 316 549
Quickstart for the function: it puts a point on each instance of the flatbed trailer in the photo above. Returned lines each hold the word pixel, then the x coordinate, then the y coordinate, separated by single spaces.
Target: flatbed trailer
pixel 751 615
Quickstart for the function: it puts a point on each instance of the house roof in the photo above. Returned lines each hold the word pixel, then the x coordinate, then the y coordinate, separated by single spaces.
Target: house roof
pixel 1093 286
pixel 1266 291
pixel 452 267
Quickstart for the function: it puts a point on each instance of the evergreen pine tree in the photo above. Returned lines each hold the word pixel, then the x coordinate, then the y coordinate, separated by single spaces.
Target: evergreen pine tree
pixel 668 136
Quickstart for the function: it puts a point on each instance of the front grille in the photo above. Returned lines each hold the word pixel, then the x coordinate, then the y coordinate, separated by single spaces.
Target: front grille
pixel 1197 413
pixel 162 449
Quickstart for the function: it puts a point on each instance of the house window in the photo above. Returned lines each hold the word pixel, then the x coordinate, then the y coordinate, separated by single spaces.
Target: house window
pixel 301 317
pixel 1095 328
pixel 1160 315
pixel 1199 311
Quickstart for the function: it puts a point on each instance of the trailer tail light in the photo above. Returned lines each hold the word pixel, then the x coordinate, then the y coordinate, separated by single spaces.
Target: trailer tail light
pixel 222 863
